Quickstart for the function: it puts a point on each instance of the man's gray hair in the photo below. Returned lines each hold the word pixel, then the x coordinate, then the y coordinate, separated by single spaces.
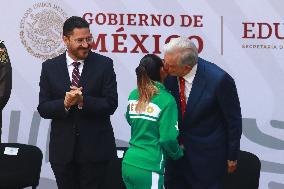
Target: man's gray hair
pixel 187 49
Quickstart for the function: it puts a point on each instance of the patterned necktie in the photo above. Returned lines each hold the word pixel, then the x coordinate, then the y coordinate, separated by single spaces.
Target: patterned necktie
pixel 76 74
pixel 182 95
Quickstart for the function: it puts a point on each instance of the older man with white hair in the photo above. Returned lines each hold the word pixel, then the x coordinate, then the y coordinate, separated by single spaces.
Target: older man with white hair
pixel 210 120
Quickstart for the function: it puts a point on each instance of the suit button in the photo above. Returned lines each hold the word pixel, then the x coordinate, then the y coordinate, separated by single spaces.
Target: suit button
pixel 76 130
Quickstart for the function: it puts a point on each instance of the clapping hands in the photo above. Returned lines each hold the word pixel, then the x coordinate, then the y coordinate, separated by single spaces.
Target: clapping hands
pixel 73 97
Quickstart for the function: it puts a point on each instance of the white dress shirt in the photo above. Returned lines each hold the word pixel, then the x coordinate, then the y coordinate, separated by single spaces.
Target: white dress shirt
pixel 70 67
pixel 188 81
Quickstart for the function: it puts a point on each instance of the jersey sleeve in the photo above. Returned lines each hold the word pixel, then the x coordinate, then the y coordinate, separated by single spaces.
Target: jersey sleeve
pixel 168 128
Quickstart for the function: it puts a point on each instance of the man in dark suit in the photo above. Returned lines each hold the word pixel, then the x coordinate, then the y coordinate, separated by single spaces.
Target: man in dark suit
pixel 81 139
pixel 5 80
pixel 209 118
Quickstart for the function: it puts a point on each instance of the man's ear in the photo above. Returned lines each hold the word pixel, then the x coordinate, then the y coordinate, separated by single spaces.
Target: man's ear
pixel 65 40
pixel 188 67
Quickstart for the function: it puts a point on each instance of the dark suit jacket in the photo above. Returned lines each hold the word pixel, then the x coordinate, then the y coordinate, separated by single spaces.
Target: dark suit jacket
pixel 212 125
pixel 5 80
pixel 95 140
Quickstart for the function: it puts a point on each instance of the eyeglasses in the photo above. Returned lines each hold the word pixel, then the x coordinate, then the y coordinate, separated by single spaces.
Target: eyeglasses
pixel 81 41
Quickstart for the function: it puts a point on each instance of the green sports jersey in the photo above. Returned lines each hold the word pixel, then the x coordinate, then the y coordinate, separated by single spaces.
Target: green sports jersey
pixel 153 132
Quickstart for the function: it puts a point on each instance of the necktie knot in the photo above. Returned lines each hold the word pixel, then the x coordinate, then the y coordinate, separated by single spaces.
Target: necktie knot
pixel 181 81
pixel 76 64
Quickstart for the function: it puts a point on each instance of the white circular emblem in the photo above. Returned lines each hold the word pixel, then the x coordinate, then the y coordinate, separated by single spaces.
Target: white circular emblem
pixel 41 30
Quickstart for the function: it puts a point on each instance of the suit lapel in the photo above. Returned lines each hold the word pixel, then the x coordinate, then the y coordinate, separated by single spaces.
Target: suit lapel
pixel 197 89
pixel 63 72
